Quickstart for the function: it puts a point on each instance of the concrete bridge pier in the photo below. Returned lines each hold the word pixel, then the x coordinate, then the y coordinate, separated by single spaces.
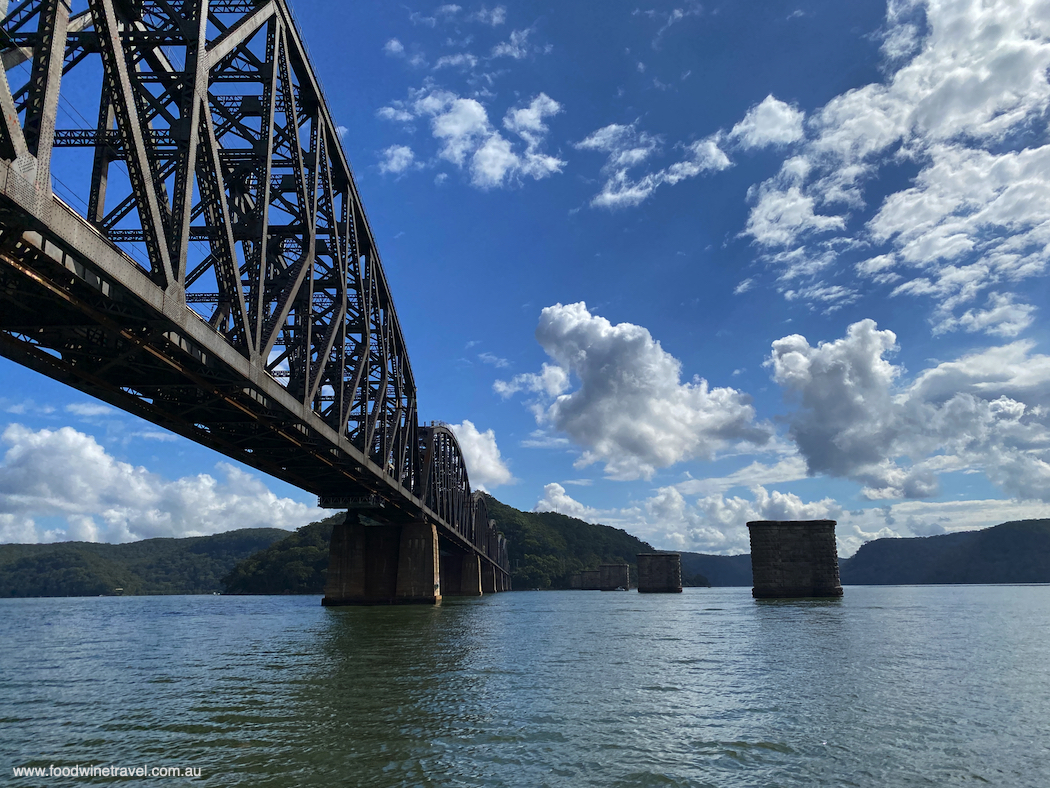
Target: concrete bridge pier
pixel 383 564
pixel 419 565
pixel 470 585
pixel 488 578
pixel 461 574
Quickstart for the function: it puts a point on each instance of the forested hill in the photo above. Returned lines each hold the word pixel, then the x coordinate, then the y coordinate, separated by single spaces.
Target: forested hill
pixel 298 564
pixel 1014 552
pixel 192 565
pixel 544 550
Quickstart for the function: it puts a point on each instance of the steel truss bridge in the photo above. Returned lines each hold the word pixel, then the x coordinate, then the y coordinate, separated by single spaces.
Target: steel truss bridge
pixel 181 236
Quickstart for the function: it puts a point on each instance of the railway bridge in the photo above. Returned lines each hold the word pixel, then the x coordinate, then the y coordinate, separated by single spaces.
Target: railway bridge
pixel 181 236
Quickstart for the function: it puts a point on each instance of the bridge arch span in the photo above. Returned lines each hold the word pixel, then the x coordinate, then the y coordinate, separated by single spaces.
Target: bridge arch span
pixel 209 265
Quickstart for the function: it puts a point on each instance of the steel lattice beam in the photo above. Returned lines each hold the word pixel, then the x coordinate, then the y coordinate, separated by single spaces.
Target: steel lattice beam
pixel 222 279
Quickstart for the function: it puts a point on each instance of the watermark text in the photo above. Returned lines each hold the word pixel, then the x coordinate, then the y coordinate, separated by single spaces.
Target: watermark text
pixel 106 770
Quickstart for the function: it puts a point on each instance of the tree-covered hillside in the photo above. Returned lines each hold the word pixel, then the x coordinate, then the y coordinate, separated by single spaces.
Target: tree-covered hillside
pixel 546 548
pixel 1014 552
pixel 193 565
pixel 297 564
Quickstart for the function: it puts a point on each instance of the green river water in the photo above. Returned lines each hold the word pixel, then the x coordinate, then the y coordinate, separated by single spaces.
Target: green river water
pixel 891 686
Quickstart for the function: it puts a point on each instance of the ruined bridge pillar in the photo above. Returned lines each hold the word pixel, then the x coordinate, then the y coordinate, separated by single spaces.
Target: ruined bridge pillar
pixel 794 558
pixel 383 564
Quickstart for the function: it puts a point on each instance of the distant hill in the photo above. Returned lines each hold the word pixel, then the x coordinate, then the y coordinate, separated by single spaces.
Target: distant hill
pixel 1014 552
pixel 192 565
pixel 546 548
pixel 720 570
pixel 297 564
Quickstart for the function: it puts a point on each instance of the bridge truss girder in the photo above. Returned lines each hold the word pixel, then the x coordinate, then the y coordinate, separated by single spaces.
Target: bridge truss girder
pixel 221 278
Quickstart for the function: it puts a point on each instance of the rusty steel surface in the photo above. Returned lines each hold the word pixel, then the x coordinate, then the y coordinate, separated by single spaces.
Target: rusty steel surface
pixel 181 236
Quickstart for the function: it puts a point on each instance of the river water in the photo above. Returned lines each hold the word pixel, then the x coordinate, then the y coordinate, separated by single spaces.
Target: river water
pixel 891 686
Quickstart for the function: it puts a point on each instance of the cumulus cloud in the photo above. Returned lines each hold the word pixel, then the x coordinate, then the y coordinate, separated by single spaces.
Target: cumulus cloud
pixel 394 47
pixel 771 122
pixel 717 524
pixel 631 410
pixel 782 214
pixel 551 380
pixel 965 84
pixel 555 499
pixel 485 465
pixel 468 140
pixel 854 417
pixel 626 148
pixel 711 524
pixel 66 475
pixel 396 159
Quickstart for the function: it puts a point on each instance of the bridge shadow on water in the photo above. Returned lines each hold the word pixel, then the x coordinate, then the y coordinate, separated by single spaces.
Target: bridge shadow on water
pixel 398 690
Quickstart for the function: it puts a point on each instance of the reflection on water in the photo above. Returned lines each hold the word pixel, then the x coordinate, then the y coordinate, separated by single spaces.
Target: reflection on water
pixel 887 686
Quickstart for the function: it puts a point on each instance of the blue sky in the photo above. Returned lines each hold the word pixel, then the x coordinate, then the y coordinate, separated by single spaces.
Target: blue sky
pixel 671 267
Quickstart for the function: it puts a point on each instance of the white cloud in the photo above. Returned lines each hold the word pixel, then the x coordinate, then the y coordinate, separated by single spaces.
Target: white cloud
pixel 771 122
pixel 555 499
pixel 468 140
pixel 497 16
pixel 463 60
pixel 396 114
pixel 155 435
pixel 780 215
pixel 966 83
pixel 90 410
pixel 674 17
pixel 757 474
pixel 462 126
pixel 66 474
pixel 394 47
pixel 1003 317
pixel 494 360
pixel 485 466
pixel 854 418
pixel 396 159
pixel 717 524
pixel 551 380
pixel 516 47
pixel 627 147
pixel 25 406
pixel 713 524
pixel 631 410
pixel 543 439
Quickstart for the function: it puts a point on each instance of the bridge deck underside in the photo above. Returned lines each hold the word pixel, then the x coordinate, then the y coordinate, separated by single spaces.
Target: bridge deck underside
pixel 63 317
pixel 114 347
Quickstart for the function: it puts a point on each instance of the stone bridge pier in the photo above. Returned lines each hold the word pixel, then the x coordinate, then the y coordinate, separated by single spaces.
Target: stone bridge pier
pixel 389 564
